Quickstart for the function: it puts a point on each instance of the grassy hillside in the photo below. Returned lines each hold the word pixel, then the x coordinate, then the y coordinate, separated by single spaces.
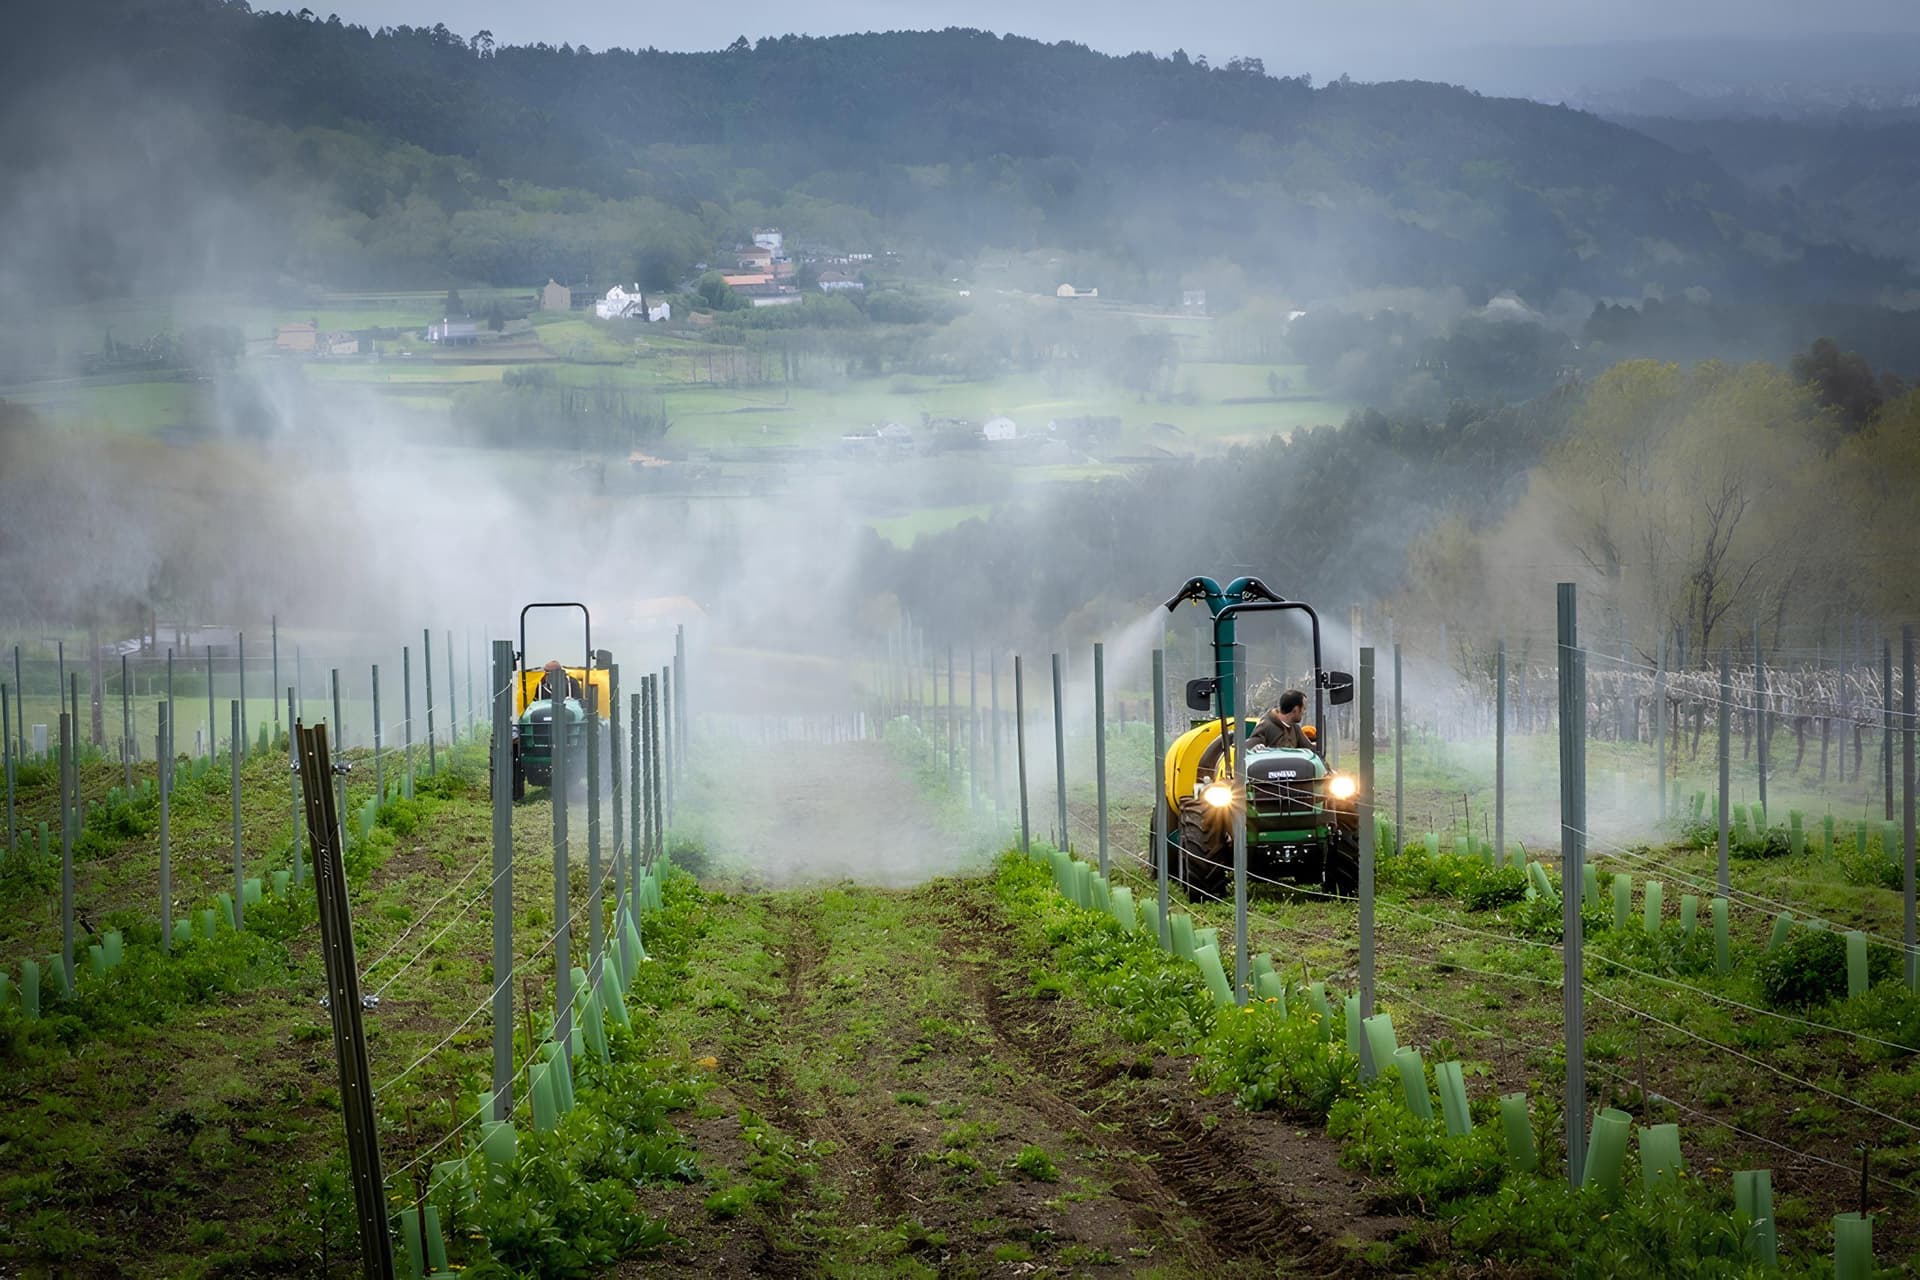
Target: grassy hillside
pixel 416 153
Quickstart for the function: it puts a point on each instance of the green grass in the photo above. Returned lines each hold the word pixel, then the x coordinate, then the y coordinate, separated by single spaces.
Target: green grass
pixel 781 415
pixel 133 408
pixel 902 531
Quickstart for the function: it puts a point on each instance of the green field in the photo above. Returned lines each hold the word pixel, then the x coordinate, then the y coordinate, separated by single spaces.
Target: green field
pixel 901 531
pixel 1210 403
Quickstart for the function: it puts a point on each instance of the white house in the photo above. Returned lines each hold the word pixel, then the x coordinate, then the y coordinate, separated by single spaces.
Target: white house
pixel 627 302
pixel 772 241
pixel 1000 428
pixel 838 282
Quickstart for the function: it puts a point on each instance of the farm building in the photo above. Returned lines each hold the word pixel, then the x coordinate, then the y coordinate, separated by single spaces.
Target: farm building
pixel 1068 291
pixel 755 258
pixel 556 296
pixel 299 337
pixel 454 333
pixel 771 240
pixel 838 282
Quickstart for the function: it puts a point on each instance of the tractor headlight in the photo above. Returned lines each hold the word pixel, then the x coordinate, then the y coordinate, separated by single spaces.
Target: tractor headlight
pixel 1218 794
pixel 1343 786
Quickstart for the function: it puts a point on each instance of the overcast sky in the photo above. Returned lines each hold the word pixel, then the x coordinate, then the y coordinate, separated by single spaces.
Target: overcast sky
pixel 1366 37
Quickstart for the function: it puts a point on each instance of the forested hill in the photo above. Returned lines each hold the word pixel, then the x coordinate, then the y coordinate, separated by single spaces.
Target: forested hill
pixel 1143 167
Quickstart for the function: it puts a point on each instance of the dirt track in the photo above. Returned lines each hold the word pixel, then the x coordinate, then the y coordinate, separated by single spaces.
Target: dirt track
pixel 883 1063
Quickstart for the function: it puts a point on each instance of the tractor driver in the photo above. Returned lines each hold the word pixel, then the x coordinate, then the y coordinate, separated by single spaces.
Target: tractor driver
pixel 1280 727
pixel 557 683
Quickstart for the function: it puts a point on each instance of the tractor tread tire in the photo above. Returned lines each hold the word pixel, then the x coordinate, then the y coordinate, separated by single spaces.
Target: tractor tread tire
pixel 1200 870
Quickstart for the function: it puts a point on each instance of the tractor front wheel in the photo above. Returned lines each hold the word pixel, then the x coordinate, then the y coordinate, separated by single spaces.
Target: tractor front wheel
pixel 1202 868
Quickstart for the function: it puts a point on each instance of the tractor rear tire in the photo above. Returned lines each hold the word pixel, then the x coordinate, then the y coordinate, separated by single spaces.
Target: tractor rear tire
pixel 1201 868
pixel 519 775
pixel 1342 875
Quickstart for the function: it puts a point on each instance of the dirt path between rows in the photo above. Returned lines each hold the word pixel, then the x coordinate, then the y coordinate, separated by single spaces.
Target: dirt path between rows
pixel 891 1100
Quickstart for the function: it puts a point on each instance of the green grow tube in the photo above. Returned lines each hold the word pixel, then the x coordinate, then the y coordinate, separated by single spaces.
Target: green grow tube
pixel 1856 963
pixel 1589 884
pixel 1853 1246
pixel 1654 899
pixel 1413 1081
pixel 30 990
pixel 540 1096
pixel 436 1259
pixel 1208 937
pixel 1120 903
pixel 593 1020
pixel 1537 876
pixel 1753 1200
pixel 499 1141
pixel 1660 1161
pixel 1269 987
pixel 1317 1001
pixel 1782 927
pixel 1150 917
pixel 1796 831
pixel 1518 1128
pixel 1453 1098
pixel 1829 847
pixel 1689 914
pixel 1622 900
pixel 560 1075
pixel 1182 934
pixel 1606 1150
pixel 610 998
pixel 182 932
pixel 1208 958
pixel 1382 1044
pixel 1101 895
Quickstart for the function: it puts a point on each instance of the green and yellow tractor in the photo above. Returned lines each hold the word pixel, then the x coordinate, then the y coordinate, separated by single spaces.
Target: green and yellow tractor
pixel 1302 817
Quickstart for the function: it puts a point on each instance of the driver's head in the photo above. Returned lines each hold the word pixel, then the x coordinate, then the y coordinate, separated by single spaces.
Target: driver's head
pixel 553 666
pixel 1293 705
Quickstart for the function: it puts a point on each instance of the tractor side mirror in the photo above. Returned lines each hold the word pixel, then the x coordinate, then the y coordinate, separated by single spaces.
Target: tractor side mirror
pixel 1339 686
pixel 1200 694
pixel 602 659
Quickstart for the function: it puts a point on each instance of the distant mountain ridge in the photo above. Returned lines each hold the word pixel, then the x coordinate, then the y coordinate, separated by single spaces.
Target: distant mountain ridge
pixel 1145 168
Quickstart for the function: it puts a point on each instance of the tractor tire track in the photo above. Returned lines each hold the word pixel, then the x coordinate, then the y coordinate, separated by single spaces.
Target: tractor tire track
pixel 1188 1167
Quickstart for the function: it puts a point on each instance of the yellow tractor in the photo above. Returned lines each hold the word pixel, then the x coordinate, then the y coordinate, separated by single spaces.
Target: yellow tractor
pixel 1302 816
pixel 536 715
pixel 1302 824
